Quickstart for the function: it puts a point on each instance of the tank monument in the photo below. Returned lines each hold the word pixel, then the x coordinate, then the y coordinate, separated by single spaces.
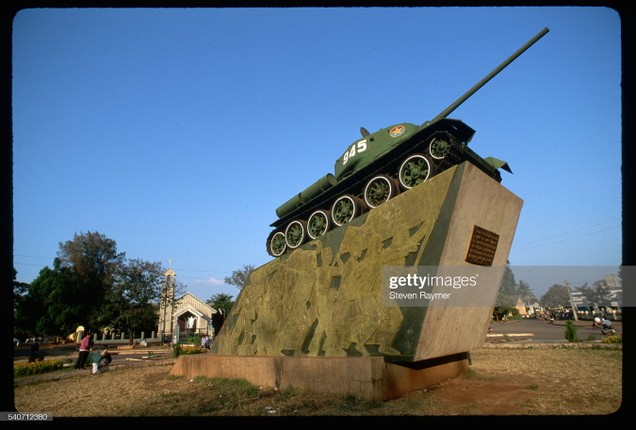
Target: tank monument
pixel 384 274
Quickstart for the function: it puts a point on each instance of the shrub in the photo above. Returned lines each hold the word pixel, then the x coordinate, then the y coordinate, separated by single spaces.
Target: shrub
pixel 195 338
pixel 570 331
pixel 615 338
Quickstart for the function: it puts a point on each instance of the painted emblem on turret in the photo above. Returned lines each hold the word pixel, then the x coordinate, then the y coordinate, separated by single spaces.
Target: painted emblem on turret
pixel 397 131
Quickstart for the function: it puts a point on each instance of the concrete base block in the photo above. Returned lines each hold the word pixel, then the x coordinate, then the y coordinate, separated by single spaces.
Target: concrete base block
pixel 371 378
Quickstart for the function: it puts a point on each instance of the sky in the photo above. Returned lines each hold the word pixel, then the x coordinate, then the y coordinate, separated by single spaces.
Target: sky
pixel 178 132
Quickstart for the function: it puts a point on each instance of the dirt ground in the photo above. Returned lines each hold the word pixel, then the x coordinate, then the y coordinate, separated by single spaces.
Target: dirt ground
pixel 503 380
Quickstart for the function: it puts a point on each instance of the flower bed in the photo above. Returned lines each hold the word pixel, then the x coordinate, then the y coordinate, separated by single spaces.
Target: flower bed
pixel 181 349
pixel 37 367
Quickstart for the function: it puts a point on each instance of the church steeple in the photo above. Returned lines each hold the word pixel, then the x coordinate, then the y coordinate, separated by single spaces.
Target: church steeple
pixel 166 304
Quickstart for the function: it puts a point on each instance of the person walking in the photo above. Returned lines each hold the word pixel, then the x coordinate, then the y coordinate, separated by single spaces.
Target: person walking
pixel 35 352
pixel 84 349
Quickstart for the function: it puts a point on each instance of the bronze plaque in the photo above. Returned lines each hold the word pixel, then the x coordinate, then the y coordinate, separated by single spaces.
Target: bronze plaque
pixel 483 246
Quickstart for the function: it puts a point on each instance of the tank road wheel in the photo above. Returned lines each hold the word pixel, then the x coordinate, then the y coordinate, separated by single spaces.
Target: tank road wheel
pixel 295 233
pixel 439 148
pixel 346 208
pixel 318 223
pixel 380 189
pixel 276 245
pixel 414 170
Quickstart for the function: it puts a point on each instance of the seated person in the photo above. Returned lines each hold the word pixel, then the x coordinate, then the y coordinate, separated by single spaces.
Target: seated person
pixel 105 358
pixel 101 360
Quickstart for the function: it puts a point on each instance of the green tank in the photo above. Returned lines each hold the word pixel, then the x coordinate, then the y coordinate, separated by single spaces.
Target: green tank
pixel 378 166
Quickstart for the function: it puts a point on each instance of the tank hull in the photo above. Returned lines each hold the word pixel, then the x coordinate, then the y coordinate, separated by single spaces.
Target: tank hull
pixel 302 205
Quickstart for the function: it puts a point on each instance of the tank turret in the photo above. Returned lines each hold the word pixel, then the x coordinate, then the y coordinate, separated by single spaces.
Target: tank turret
pixel 380 165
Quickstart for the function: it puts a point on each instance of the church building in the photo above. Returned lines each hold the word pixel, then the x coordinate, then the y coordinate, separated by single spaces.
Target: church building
pixel 183 316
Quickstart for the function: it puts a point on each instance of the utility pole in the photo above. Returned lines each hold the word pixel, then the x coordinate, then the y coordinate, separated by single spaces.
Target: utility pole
pixel 574 307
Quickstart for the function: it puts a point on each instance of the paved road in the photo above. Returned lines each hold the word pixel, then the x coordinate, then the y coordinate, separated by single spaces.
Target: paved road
pixel 540 331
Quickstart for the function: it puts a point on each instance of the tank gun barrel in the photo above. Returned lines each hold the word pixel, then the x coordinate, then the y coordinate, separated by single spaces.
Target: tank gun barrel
pixel 491 75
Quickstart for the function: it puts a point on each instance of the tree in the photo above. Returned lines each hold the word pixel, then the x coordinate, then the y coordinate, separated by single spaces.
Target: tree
pixel 557 295
pixel 129 304
pixel 239 277
pixel 179 289
pixel 525 292
pixel 92 255
pixel 21 314
pixel 93 285
pixel 598 295
pixel 54 302
pixel 221 301
pixel 501 311
pixel 140 281
pixel 507 290
pixel 510 290
pixel 508 283
pixel 94 259
pixel 224 303
pixel 19 288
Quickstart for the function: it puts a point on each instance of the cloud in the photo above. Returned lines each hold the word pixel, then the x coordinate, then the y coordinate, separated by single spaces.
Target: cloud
pixel 209 281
